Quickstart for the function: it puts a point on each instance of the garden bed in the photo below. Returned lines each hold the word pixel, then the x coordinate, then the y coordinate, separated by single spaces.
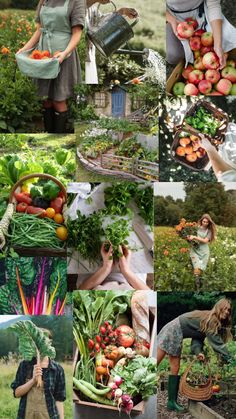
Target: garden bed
pixel 215 408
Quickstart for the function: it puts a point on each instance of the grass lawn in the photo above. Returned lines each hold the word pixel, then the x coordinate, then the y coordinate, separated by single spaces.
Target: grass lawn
pixel 9 405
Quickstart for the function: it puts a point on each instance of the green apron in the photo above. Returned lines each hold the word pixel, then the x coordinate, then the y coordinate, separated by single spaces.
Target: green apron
pixel 55 28
pixel 200 254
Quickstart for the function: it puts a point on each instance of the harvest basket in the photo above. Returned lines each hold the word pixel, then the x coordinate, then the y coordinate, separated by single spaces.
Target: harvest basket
pixel 36 251
pixel 217 113
pixel 37 69
pixel 199 393
pixel 139 407
pixel 199 164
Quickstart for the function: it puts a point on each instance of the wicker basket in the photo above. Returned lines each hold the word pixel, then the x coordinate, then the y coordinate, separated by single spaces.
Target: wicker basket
pixel 12 201
pixel 217 114
pixel 199 393
pixel 199 164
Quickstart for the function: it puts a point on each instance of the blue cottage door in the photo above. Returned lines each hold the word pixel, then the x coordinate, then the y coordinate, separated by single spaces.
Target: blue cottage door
pixel 118 102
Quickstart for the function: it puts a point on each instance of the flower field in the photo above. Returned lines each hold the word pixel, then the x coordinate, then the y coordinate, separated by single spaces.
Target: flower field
pixel 173 269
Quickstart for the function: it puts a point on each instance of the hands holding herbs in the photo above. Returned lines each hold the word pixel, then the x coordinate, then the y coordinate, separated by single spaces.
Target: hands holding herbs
pixel 123 261
pixel 107 257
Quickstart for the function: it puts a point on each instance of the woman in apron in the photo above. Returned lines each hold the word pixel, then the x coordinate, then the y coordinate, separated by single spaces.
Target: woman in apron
pixel 199 251
pixel 214 324
pixel 209 16
pixel 59 27
pixel 91 76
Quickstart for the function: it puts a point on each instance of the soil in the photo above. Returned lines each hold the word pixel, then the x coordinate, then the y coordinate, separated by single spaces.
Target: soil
pixel 223 406
pixel 163 413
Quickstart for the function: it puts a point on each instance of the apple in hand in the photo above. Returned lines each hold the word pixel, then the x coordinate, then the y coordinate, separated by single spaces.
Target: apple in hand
pixel 187 70
pixel 224 86
pixel 212 75
pixel 192 21
pixel 207 39
pixel 204 50
pixel 178 88
pixel 205 87
pixel 200 152
pixel 199 32
pixel 211 61
pixel 185 30
pixel 195 76
pixel 229 73
pixel 195 43
pixel 198 64
pixel 190 90
pixel 233 90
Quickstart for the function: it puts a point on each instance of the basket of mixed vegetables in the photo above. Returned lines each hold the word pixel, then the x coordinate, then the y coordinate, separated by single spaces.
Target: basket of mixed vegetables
pixel 34 217
pixel 113 364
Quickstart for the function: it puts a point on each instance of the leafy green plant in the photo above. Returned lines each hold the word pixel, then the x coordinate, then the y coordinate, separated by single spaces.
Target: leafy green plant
pixel 118 124
pixel 118 196
pixel 116 235
pixel 144 201
pixel 203 121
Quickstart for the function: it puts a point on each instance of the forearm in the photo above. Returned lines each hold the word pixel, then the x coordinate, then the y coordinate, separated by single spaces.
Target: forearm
pixel 201 240
pixel 169 17
pixel 76 35
pixel 96 279
pixel 218 164
pixel 24 389
pixel 216 26
pixel 134 281
pixel 60 408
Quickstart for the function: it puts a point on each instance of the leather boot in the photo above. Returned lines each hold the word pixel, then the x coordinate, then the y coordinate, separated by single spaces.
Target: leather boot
pixel 60 122
pixel 173 388
pixel 48 119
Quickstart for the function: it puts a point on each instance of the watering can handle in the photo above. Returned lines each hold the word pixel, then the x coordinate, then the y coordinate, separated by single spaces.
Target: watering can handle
pixel 135 22
pixel 113 4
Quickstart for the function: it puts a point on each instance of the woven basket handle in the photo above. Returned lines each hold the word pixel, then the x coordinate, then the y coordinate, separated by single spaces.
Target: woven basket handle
pixel 38 175
pixel 191 364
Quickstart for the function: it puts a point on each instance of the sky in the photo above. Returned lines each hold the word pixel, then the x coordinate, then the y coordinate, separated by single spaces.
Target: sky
pixel 175 189
pixel 4 319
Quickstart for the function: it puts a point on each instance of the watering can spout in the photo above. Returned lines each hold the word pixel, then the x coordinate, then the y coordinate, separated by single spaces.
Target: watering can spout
pixel 144 53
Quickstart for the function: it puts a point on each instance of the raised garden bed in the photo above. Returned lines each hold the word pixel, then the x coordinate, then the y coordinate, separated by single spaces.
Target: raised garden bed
pixel 215 408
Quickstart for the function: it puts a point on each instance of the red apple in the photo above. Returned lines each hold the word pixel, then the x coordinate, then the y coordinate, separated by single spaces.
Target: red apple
pixel 187 70
pixel 204 50
pixel 185 30
pixel 214 93
pixel 212 75
pixel 211 61
pixel 192 21
pixel 231 63
pixel 190 90
pixel 195 43
pixel 199 32
pixel 207 39
pixel 195 76
pixel 198 64
pixel 224 86
pixel 205 87
pixel 229 73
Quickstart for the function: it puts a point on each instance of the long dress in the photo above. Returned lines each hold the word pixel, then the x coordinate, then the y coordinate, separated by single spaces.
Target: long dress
pixel 57 18
pixel 200 254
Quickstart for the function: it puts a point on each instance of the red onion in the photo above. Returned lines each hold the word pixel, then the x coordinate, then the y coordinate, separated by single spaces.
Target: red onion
pixel 118 380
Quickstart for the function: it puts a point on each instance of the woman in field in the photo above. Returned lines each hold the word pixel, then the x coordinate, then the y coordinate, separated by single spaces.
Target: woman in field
pixel 45 402
pixel 199 251
pixel 215 325
pixel 59 28
pixel 209 16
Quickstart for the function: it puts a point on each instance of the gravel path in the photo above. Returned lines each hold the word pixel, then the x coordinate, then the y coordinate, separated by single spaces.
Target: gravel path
pixel 163 413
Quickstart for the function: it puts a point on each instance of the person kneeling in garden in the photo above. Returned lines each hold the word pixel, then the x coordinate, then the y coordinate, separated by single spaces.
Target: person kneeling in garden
pixel 41 388
pixel 215 325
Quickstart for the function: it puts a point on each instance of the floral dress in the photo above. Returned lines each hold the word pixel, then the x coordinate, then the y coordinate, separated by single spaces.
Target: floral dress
pixel 200 253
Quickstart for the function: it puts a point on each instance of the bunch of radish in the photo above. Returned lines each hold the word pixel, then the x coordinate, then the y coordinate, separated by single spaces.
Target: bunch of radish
pixel 204 76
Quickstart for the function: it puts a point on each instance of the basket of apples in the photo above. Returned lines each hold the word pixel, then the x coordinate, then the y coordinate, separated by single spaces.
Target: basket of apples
pixel 187 150
pixel 204 76
pixel 38 64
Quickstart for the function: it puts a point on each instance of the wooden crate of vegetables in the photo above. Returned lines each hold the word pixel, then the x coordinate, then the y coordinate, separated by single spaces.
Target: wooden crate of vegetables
pixel 34 223
pixel 113 364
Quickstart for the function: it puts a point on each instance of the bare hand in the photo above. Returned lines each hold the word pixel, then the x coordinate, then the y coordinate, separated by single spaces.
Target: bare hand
pixel 124 260
pixel 201 357
pixel 60 55
pixel 129 12
pixel 205 143
pixel 107 257
pixel 20 50
pixel 37 372
pixel 220 54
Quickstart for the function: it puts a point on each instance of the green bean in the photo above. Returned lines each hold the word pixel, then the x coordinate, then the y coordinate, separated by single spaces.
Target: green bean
pixel 95 390
pixel 88 393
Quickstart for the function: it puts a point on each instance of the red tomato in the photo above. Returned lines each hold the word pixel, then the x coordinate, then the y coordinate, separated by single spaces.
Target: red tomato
pixel 21 207
pixel 125 335
pixel 216 388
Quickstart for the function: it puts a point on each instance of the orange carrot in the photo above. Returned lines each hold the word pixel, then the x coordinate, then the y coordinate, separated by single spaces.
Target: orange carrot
pixel 25 308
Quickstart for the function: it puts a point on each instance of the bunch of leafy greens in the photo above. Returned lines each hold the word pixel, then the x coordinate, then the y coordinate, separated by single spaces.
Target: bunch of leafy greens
pixel 116 234
pixel 118 197
pixel 144 201
pixel 139 376
pixel 203 121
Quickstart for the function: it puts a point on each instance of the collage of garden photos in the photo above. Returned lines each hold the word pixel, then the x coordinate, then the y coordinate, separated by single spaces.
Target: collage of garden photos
pixel 117 209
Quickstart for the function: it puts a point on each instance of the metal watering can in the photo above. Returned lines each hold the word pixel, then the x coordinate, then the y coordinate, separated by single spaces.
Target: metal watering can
pixel 112 31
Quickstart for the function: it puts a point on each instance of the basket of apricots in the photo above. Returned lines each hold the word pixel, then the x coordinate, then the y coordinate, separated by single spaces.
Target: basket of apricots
pixel 38 64
pixel 186 149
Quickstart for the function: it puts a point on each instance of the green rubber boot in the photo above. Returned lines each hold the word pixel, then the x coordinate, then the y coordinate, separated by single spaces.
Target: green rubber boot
pixel 173 388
